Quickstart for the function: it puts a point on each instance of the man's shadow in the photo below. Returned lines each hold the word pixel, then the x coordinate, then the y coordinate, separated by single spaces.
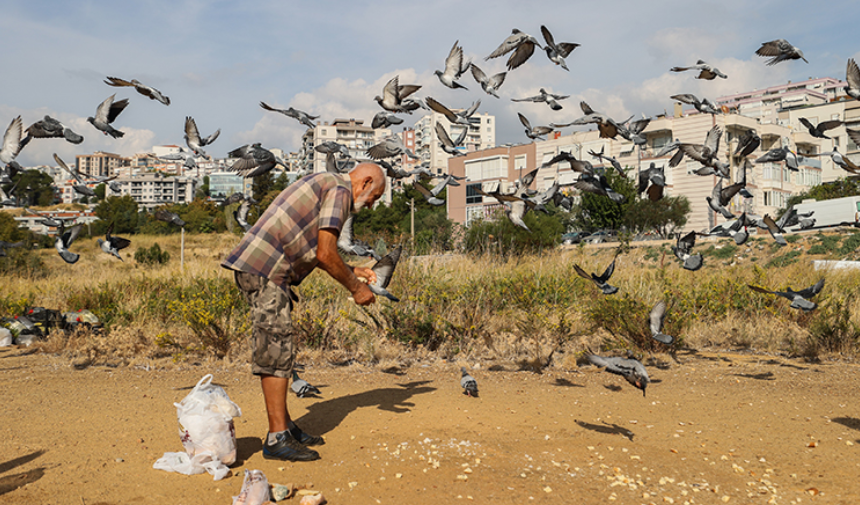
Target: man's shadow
pixel 12 482
pixel 322 417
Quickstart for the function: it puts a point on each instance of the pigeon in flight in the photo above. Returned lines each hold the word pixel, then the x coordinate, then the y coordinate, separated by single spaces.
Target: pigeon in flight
pixel 818 130
pixel 842 161
pixel 394 95
pixel 601 281
pixel 668 148
pixel 336 166
pixel 455 67
pixel 534 133
pixel 738 230
pixel 64 239
pixel 241 213
pixel 780 50
pixel 330 146
pixel 193 139
pixel 705 71
pixel 523 46
pixel 5 200
pixel 188 158
pixel 45 219
pixel 149 92
pixel 747 143
pixel 80 184
pixel 169 217
pixel 516 211
pixel 629 368
pixel 384 119
pixel 106 113
pixel 347 243
pixel 468 383
pixel 253 160
pixel 12 141
pixel 428 195
pixel 852 77
pixel 48 128
pixel 448 145
pixel 703 153
pixel 548 98
pixel 683 249
pixel 299 115
pixel 654 176
pixel 799 299
pixel 8 245
pixel 461 118
pixel 720 197
pixel 557 52
pixel 489 84
pixel 603 157
pixel 656 319
pixel 384 269
pixel 781 154
pixel 113 245
pixel 389 147
pixel 704 105
pixel 301 387
pixel 607 126
pixel 597 184
pixel 633 133
pixel 775 230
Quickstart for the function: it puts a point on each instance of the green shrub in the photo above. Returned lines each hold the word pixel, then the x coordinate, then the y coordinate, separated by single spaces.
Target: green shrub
pixel 792 238
pixel 152 256
pixel 726 252
pixel 784 260
pixel 831 329
pixel 850 245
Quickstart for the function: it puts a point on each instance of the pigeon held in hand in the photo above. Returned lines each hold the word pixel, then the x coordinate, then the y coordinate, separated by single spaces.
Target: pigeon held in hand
pixel 384 269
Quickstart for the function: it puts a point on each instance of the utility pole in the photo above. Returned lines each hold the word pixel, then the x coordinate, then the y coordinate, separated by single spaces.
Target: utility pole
pixel 412 220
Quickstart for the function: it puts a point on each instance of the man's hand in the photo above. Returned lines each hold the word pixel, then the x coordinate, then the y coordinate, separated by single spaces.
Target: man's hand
pixel 365 273
pixel 363 295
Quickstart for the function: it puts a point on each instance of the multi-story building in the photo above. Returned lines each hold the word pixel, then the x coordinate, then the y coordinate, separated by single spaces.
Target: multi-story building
pixel 32 221
pixel 225 184
pixel 770 183
pixel 764 104
pixel 352 133
pixel 100 164
pixel 407 136
pixel 481 135
pixel 152 190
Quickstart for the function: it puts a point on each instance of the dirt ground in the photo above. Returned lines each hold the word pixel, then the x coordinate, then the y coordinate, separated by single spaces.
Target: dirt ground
pixel 714 428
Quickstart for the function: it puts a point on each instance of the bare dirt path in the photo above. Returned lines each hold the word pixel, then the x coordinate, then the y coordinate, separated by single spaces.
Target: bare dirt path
pixel 716 428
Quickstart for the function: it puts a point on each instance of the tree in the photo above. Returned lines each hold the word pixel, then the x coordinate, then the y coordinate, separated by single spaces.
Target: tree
pixel 499 235
pixel 262 185
pixel 34 188
pixel 203 190
pixel 119 210
pixel 597 212
pixel 663 216
pixel 100 191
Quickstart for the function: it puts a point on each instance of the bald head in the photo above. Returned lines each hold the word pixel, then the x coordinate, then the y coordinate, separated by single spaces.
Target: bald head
pixel 368 185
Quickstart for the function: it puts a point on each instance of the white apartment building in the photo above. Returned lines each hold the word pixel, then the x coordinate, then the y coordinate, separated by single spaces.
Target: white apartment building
pixel 481 135
pixel 152 190
pixel 352 133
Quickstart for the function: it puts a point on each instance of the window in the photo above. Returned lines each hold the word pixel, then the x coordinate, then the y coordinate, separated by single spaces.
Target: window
pixel 660 142
pixel 520 162
pixel 472 195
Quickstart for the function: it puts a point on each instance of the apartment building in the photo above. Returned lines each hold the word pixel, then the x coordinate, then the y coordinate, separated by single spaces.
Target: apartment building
pixel 481 136
pixel 100 164
pixel 352 133
pixel 151 190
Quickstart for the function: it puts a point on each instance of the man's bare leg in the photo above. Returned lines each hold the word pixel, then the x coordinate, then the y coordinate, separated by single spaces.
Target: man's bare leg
pixel 275 395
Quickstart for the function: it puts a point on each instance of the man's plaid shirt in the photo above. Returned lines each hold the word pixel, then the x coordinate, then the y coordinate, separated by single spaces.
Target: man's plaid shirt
pixel 282 244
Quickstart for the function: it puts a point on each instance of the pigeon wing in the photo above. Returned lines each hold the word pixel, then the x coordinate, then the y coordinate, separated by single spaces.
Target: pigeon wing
pixel 384 268
pixel 852 74
pixel 115 108
pixel 582 273
pixel 441 109
pixel 812 290
pixel 607 273
pixel 521 55
pixel 657 316
pixel 191 130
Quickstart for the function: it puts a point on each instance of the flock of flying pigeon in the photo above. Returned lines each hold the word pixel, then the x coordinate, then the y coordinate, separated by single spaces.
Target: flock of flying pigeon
pixel 254 160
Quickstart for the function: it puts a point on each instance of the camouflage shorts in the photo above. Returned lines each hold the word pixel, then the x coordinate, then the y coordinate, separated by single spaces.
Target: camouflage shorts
pixel 274 342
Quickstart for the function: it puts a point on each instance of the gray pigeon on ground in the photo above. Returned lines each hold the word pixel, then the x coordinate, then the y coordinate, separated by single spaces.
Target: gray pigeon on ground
pixel 301 387
pixel 468 383
pixel 799 299
pixel 629 368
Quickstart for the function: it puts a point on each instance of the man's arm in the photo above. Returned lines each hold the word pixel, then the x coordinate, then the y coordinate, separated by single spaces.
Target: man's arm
pixel 332 263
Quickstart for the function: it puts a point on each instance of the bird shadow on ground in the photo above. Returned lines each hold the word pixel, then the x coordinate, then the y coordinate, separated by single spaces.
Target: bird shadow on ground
pixel 848 422
pixel 780 363
pixel 22 353
pixel 609 429
pixel 246 447
pixel 12 482
pixel 613 387
pixel 325 416
pixel 562 382
pixel 764 376
pixel 698 355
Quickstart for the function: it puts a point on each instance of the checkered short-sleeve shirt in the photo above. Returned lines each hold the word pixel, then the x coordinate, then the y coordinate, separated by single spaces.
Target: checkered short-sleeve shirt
pixel 282 244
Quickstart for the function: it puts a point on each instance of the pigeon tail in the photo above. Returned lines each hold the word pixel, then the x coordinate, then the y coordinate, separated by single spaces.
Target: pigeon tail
pixel 693 263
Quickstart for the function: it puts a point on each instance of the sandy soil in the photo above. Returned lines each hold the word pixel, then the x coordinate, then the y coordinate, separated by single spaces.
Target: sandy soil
pixel 714 428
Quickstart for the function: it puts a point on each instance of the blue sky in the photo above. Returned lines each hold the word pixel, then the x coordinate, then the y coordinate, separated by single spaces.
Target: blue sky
pixel 216 60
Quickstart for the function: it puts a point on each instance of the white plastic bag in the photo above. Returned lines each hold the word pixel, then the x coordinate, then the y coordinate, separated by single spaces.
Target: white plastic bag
pixel 206 430
pixel 255 489
pixel 5 337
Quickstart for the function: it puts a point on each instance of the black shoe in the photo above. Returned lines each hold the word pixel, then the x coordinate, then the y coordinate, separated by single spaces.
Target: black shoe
pixel 288 448
pixel 303 437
